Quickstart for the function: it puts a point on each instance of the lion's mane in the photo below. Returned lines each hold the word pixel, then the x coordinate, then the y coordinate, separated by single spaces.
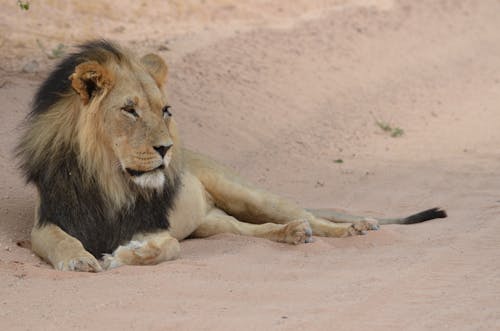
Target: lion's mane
pixel 80 185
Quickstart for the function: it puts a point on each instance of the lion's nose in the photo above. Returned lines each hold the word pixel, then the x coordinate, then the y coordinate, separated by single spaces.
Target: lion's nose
pixel 162 149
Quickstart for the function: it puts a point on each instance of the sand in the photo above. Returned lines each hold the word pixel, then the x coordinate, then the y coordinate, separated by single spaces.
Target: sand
pixel 280 91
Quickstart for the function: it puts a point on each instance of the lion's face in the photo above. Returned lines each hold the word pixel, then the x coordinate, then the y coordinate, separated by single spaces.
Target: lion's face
pixel 133 116
pixel 137 121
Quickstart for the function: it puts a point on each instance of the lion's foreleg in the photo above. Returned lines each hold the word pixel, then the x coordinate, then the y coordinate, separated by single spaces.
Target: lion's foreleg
pixel 144 249
pixel 217 221
pixel 63 251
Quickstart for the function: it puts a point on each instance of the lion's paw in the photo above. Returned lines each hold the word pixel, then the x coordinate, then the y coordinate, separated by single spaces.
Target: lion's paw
pixel 109 261
pixel 368 224
pixel 298 232
pixel 141 253
pixel 85 262
pixel 354 230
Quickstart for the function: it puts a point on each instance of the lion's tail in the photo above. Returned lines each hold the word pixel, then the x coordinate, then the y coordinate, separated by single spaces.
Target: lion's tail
pixel 422 216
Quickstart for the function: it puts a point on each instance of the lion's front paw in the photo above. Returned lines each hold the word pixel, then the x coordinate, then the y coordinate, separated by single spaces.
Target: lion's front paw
pixel 109 261
pixel 84 261
pixel 297 232
pixel 142 253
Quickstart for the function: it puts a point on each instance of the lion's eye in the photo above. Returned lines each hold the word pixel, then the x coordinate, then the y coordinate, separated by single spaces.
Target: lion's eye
pixel 166 111
pixel 131 111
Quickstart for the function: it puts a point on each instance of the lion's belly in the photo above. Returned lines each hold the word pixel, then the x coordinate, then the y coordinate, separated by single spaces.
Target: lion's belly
pixel 190 207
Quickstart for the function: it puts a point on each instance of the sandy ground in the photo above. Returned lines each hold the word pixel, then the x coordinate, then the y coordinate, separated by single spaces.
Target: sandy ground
pixel 280 90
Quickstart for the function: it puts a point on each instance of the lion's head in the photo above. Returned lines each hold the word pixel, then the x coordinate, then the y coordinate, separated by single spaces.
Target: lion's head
pixel 106 109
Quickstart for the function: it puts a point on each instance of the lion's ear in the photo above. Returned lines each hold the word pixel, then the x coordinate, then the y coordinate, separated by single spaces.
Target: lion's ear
pixel 156 67
pixel 90 78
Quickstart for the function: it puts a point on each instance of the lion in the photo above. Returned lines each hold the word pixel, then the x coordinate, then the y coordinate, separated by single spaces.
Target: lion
pixel 114 185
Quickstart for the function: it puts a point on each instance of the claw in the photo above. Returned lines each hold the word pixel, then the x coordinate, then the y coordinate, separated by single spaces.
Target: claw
pixel 80 263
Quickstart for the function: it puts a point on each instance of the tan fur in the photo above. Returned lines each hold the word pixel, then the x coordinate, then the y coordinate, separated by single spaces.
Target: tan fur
pixel 211 199
pixel 90 71
pixel 156 67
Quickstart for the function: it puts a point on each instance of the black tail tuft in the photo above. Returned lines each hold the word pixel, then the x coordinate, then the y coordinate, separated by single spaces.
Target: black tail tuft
pixel 425 215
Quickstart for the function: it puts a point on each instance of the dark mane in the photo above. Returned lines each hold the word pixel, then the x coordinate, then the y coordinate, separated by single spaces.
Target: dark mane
pixel 70 197
pixel 57 85
pixel 82 212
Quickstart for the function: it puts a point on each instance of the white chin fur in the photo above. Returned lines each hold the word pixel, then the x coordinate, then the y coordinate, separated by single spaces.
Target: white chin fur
pixel 154 180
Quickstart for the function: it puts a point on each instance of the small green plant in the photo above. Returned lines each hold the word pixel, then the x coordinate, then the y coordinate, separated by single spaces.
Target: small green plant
pixel 393 131
pixel 397 132
pixel 384 126
pixel 24 5
pixel 338 161
pixel 58 51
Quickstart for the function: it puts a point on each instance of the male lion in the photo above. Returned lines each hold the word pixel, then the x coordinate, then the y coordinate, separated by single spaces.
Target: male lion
pixel 114 184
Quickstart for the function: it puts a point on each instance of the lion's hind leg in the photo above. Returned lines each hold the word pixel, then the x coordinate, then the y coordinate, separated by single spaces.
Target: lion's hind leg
pixel 239 199
pixel 235 197
pixel 144 249
pixel 326 228
pixel 358 222
pixel 217 221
